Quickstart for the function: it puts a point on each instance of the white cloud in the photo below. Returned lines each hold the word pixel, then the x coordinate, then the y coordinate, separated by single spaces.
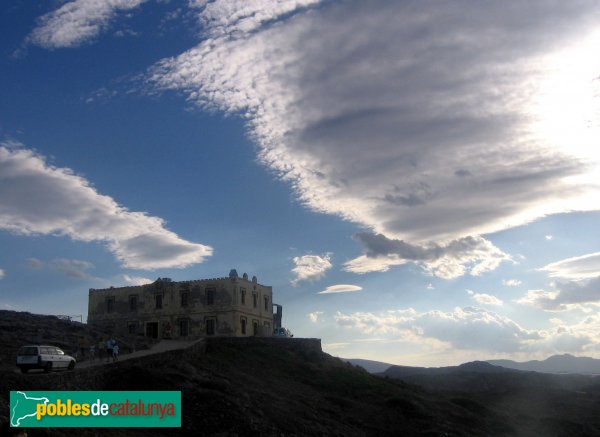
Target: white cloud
pixel 340 288
pixel 430 286
pixel 390 135
pixel 579 284
pixel 314 316
pixel 243 16
pixel 474 255
pixel 364 264
pixel 568 295
pixel 549 237
pixel 579 267
pixel 486 299
pixel 77 22
pixel 2 273
pixel 511 282
pixel 36 198
pixel 136 280
pixel 310 267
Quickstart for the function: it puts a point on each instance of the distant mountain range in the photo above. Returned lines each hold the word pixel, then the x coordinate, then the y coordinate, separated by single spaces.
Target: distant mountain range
pixel 483 377
pixel 555 364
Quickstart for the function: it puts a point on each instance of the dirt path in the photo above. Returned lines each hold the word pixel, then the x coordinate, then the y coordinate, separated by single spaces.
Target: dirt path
pixel 162 346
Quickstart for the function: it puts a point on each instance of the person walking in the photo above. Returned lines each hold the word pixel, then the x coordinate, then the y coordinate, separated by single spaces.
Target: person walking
pixel 115 352
pixel 109 349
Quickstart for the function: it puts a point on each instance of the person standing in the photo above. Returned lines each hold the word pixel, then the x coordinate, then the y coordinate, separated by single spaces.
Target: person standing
pixel 101 350
pixel 115 352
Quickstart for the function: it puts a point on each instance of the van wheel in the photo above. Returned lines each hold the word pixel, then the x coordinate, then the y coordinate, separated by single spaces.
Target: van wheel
pixel 71 365
pixel 48 367
pixel 24 370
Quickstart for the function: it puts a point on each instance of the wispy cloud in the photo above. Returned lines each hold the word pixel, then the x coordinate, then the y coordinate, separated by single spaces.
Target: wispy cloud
pixel 73 268
pixel 314 316
pixel 389 135
pixel 37 198
pixel 2 273
pixel 494 332
pixel 310 267
pixel 136 280
pixel 472 329
pixel 340 288
pixel 35 263
pixel 579 267
pixel 77 22
pixel 335 346
pixel 511 282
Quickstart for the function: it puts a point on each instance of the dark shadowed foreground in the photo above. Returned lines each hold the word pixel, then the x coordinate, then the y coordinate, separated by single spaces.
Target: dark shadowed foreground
pixel 287 387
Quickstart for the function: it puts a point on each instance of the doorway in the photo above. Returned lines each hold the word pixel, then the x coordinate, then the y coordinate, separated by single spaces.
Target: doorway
pixel 152 329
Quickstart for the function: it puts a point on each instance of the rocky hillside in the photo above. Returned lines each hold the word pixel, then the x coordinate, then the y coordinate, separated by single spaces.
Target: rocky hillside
pixel 254 386
pixel 289 387
pixel 21 328
pixel 534 403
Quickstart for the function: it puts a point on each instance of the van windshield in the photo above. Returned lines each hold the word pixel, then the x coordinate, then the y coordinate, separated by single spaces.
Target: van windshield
pixel 28 350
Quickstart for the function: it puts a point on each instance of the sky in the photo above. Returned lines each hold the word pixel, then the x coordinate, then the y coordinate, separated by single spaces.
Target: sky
pixel 418 181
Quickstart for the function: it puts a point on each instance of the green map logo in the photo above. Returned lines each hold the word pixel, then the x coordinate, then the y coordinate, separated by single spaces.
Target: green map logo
pixel 23 407
pixel 95 409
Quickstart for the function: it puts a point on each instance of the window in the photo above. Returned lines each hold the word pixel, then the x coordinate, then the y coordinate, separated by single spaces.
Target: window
pixel 255 299
pixel 255 327
pixel 266 303
pixel 185 297
pixel 267 327
pixel 210 296
pixel 133 303
pixel 132 327
pixel 210 327
pixel 184 328
pixel 110 304
pixel 158 300
pixel 28 350
pixel 243 295
pixel 243 323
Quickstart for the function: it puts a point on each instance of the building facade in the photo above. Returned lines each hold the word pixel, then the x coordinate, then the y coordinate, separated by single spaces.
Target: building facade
pixel 231 306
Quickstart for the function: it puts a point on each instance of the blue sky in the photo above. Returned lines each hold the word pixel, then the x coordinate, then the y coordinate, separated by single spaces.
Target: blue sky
pixel 417 181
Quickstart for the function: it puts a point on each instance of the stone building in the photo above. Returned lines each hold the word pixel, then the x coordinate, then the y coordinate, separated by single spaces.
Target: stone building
pixel 231 306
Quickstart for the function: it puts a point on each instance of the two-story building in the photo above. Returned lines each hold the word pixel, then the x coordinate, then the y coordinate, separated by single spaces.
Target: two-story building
pixel 230 306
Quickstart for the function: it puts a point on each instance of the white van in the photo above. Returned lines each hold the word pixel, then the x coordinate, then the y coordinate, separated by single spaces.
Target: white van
pixel 43 357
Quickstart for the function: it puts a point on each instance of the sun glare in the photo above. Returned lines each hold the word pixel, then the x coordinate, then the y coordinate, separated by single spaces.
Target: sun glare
pixel 568 105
